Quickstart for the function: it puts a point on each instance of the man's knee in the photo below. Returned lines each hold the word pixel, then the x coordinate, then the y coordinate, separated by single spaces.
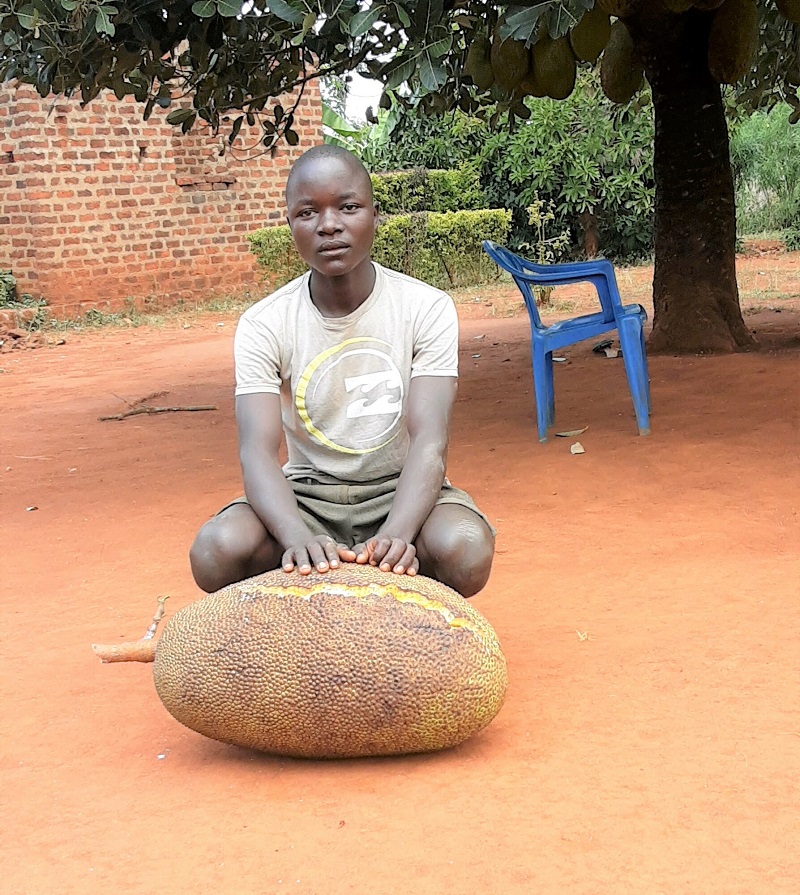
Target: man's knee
pixel 226 548
pixel 457 548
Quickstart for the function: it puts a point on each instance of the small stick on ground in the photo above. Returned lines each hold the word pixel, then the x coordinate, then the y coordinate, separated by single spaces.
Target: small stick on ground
pixel 143 650
pixel 134 411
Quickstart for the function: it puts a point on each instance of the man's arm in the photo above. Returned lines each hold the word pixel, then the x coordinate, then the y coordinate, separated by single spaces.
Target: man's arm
pixel 430 405
pixel 258 417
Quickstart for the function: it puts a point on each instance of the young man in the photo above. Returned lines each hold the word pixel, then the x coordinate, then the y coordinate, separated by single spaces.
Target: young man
pixel 357 366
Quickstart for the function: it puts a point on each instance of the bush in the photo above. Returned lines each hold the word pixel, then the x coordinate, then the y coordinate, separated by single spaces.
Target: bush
pixel 11 300
pixel 400 192
pixel 8 288
pixel 275 252
pixel 441 249
pixel 765 154
pixel 591 158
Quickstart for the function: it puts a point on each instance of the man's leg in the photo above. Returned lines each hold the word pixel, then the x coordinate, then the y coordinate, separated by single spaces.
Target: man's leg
pixel 455 546
pixel 232 546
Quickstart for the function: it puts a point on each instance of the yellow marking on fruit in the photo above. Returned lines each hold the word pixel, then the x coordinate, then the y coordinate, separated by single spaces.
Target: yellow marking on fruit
pixel 363 592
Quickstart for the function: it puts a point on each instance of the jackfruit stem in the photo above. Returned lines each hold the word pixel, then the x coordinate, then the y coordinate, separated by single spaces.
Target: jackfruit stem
pixel 143 650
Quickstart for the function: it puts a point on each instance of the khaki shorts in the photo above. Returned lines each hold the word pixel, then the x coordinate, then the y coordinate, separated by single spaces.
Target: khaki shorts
pixel 351 514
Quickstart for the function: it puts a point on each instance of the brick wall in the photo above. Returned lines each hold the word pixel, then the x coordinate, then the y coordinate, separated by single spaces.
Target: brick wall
pixel 98 206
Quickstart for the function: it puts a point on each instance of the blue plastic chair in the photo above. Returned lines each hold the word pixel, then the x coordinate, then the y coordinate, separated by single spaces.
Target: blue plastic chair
pixel 628 320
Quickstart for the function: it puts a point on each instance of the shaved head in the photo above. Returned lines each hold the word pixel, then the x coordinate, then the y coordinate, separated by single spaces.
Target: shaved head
pixel 318 158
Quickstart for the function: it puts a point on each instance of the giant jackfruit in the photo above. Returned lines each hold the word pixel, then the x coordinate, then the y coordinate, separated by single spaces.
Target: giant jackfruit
pixel 554 66
pixel 619 8
pixel 789 9
pixel 733 40
pixel 478 65
pixel 353 662
pixel 510 62
pixel 621 72
pixel 590 36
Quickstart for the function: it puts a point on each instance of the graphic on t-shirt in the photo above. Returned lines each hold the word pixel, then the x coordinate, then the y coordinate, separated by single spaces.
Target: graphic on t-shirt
pixel 350 397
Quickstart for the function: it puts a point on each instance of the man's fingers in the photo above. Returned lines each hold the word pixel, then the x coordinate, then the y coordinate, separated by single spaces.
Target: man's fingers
pixel 296 557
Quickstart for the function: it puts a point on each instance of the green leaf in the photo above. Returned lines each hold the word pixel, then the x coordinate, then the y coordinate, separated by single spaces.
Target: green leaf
pixel 237 126
pixel 291 137
pixel 402 16
pixel 286 12
pixel 398 73
pixel 521 21
pixel 363 21
pixel 440 47
pixel 309 20
pixel 336 123
pixel 431 73
pixel 28 17
pixel 229 8
pixel 180 116
pixel 204 9
pixel 103 24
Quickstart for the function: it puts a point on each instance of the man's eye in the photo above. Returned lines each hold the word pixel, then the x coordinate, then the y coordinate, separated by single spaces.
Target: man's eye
pixel 306 213
pixel 351 207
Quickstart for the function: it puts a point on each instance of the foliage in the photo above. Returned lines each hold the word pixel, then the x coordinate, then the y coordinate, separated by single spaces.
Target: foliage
pixel 11 299
pixel 544 249
pixel 276 253
pixel 397 192
pixel 442 249
pixel 228 56
pixel 583 155
pixel 765 153
pixel 8 288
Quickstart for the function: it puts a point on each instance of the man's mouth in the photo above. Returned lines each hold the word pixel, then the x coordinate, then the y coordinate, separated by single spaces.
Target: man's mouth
pixel 333 246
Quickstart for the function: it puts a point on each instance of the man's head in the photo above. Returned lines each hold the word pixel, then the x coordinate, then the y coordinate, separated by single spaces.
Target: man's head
pixel 330 210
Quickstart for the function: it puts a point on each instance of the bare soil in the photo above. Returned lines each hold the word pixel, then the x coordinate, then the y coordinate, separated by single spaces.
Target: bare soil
pixel 645 592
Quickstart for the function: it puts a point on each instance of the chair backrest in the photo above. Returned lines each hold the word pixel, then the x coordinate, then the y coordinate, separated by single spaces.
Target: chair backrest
pixel 524 275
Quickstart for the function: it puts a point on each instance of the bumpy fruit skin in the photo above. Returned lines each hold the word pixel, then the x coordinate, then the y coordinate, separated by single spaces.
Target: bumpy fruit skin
pixel 589 37
pixel 554 66
pixel 477 64
pixel 733 40
pixel 355 662
pixel 620 8
pixel 789 9
pixel 621 73
pixel 510 62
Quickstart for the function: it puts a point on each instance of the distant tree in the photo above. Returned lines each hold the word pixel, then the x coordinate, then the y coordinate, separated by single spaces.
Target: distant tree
pixel 436 55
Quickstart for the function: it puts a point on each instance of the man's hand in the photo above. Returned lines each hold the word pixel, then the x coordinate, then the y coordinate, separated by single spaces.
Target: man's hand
pixel 320 553
pixel 387 553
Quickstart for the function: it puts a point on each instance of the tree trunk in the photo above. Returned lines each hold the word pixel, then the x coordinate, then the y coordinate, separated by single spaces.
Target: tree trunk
pixel 695 295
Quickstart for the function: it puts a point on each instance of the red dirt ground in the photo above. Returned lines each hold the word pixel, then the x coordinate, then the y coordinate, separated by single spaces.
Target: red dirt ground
pixel 645 593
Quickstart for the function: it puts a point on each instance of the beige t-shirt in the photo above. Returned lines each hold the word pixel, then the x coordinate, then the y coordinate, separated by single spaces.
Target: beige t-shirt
pixel 344 381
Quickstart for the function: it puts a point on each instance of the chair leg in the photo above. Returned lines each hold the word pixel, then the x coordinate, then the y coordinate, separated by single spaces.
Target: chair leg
pixel 551 392
pixel 543 389
pixel 631 339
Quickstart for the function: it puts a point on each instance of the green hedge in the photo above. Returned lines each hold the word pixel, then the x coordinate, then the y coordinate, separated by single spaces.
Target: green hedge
pixel 401 192
pixel 441 249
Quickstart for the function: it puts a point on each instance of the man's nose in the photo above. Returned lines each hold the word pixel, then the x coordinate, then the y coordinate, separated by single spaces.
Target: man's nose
pixel 329 221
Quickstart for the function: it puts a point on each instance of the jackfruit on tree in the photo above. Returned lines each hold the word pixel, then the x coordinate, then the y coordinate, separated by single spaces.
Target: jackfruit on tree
pixel 589 37
pixel 621 72
pixel 789 9
pixel 510 62
pixel 554 66
pixel 733 40
pixel 478 65
pixel 619 8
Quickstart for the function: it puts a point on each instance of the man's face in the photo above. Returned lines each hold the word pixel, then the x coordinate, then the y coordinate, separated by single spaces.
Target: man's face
pixel 332 216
